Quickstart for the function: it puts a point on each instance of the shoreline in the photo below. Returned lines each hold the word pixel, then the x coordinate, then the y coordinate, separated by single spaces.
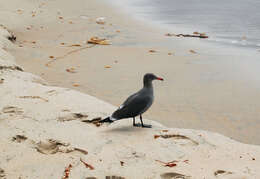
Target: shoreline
pixel 46 125
pixel 201 91
pixel 144 11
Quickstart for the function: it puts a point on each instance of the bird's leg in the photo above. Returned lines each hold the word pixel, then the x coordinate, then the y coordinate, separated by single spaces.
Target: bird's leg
pixel 134 122
pixel 144 125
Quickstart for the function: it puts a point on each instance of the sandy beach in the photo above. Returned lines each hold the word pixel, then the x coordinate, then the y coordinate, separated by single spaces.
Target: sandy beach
pixel 212 89
pixel 49 76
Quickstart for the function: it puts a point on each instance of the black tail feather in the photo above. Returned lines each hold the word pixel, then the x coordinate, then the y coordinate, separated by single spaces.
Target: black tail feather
pixel 108 120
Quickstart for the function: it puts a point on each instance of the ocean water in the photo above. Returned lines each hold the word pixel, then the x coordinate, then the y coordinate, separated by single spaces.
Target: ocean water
pixel 233 22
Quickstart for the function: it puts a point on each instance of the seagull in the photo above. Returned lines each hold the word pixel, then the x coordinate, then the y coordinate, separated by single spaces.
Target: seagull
pixel 136 104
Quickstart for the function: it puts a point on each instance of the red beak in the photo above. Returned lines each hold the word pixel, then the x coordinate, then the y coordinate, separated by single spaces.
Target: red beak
pixel 158 78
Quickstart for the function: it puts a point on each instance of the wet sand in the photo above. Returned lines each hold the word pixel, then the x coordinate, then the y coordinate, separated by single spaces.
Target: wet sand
pixel 215 89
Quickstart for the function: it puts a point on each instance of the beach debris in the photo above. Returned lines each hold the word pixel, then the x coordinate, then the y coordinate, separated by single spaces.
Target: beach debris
pixel 192 51
pixel 96 40
pixel 62 43
pixel 70 22
pixel 178 137
pixel 12 109
pixel 87 165
pixel 152 51
pixel 12 38
pixel 75 45
pixel 60 17
pixel 75 85
pixel 81 150
pixel 122 163
pixel 195 34
pixel 114 177
pixel 118 31
pixel 67 172
pixel 95 121
pixel 2 173
pixel 173 175
pixel 107 66
pixel 72 116
pixel 29 27
pixel 34 97
pixel 168 164
pixel 71 70
pixel 186 161
pixel 48 64
pixel 84 17
pixel 165 130
pixel 2 80
pixel 11 68
pixel 221 172
pixel 80 115
pixel 19 11
pixel 33 13
pixel 166 136
pixel 101 20
pixel 170 53
pixel 51 56
pixel 19 138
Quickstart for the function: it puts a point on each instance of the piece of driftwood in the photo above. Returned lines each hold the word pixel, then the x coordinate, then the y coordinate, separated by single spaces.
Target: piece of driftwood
pixel 200 35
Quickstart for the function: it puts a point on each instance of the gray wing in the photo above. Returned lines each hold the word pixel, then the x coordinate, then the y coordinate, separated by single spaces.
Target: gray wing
pixel 134 105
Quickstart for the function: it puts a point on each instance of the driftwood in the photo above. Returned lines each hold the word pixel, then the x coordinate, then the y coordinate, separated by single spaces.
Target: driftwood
pixel 199 35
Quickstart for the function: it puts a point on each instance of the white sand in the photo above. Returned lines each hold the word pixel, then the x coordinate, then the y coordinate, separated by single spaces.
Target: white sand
pixel 38 112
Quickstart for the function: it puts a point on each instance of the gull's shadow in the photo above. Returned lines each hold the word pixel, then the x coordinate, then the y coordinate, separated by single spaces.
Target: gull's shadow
pixel 124 129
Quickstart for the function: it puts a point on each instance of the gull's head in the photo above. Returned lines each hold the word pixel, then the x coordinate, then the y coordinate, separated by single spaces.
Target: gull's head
pixel 149 77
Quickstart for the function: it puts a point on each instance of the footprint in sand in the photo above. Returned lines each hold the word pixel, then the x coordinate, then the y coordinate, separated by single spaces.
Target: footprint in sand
pixel 82 117
pixel 173 175
pixel 52 146
pixel 12 110
pixel 229 175
pixel 19 138
pixel 72 116
pixel 52 92
pixel 222 173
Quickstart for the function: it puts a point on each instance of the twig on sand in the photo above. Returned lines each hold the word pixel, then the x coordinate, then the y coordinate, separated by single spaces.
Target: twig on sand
pixel 34 97
pixel 87 165
pixel 168 164
pixel 69 53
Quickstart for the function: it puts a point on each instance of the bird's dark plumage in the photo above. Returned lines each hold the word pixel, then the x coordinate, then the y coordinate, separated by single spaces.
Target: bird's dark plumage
pixel 137 103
